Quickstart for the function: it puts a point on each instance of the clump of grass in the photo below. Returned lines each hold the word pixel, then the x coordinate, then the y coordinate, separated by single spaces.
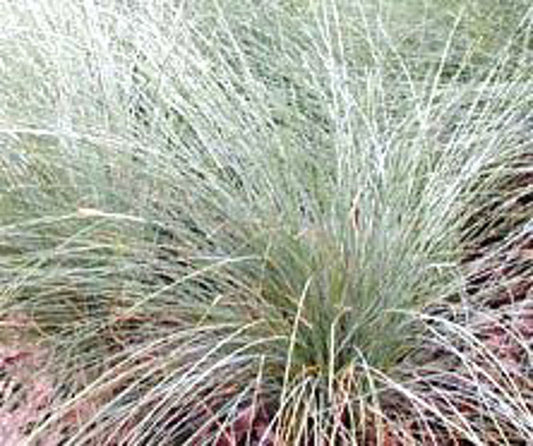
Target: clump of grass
pixel 269 223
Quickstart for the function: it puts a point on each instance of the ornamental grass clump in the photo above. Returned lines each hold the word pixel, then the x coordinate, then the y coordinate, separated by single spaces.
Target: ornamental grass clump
pixel 269 223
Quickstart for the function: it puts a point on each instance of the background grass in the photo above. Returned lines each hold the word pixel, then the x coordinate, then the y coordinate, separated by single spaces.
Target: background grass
pixel 290 222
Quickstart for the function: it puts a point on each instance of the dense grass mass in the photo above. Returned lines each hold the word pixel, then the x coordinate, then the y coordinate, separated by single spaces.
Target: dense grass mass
pixel 291 222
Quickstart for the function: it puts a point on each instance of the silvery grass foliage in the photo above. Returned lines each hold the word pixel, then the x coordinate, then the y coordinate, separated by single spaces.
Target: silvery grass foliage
pixel 270 222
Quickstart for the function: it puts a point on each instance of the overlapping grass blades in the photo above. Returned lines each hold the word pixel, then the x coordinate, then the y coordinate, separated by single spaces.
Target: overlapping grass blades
pixel 269 222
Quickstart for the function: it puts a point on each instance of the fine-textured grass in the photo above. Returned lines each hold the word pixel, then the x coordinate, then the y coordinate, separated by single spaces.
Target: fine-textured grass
pixel 287 222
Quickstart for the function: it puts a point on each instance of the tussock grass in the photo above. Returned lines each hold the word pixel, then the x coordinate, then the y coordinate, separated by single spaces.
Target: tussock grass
pixel 276 223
